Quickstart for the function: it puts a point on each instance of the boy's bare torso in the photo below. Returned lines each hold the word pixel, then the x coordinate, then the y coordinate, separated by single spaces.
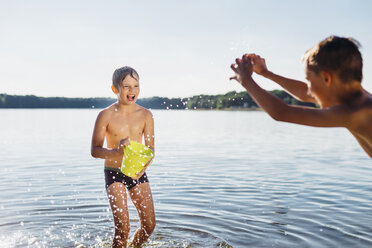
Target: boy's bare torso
pixel 361 126
pixel 121 125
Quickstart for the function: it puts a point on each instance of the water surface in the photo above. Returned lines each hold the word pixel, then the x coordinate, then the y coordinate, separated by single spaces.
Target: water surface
pixel 220 179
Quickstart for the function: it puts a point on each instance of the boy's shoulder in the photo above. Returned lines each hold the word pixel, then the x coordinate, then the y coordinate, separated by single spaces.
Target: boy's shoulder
pixel 108 110
pixel 362 113
pixel 144 111
pixel 106 113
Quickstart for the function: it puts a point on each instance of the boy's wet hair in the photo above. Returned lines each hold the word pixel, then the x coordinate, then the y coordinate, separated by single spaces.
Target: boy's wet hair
pixel 121 73
pixel 336 54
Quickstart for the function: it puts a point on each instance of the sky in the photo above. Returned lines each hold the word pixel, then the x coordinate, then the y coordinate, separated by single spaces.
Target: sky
pixel 179 48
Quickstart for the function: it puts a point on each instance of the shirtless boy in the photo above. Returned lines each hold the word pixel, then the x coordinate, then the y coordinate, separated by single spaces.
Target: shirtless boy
pixel 119 123
pixel 333 70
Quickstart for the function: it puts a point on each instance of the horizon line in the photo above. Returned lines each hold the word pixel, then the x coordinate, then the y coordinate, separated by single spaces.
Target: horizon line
pixel 86 97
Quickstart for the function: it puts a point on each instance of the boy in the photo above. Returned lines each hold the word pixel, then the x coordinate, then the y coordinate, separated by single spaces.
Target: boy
pixel 119 123
pixel 334 73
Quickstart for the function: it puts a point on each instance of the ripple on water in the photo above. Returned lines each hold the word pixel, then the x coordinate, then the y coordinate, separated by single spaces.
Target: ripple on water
pixel 220 179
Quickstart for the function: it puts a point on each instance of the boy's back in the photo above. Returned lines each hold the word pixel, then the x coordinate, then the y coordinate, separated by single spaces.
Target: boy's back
pixel 361 124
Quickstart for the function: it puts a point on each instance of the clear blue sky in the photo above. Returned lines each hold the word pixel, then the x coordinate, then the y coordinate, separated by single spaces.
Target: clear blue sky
pixel 180 48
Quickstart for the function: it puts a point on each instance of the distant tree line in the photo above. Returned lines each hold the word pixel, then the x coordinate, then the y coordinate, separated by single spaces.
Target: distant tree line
pixel 31 101
pixel 232 99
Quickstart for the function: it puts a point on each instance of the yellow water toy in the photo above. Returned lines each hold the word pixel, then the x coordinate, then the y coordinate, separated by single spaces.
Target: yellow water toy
pixel 136 157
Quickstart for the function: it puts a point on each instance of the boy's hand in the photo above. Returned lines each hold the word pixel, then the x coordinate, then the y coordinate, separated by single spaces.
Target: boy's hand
pixel 140 174
pixel 243 69
pixel 259 64
pixel 122 143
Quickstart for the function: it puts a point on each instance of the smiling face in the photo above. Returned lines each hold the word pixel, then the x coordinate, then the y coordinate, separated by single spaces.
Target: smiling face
pixel 129 90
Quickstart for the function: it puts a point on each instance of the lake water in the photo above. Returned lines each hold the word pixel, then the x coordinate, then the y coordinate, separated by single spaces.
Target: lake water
pixel 220 179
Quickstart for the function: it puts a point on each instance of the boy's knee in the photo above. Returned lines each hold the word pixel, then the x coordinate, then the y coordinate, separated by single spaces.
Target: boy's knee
pixel 149 226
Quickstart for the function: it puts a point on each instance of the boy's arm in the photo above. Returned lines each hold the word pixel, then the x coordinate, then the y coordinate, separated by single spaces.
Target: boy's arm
pixel 278 110
pixel 98 139
pixel 295 88
pixel 148 131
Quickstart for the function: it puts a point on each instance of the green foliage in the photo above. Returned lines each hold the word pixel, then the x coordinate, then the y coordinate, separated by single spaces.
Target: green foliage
pixel 232 99
pixel 162 103
pixel 31 101
pixel 202 102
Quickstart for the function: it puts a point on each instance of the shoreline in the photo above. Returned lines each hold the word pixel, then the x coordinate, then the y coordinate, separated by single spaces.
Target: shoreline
pixel 198 109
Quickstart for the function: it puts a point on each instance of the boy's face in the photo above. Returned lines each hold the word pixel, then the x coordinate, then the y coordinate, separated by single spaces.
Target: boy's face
pixel 316 86
pixel 129 90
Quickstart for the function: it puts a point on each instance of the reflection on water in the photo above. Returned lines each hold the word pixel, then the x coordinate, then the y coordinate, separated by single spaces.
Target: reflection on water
pixel 220 179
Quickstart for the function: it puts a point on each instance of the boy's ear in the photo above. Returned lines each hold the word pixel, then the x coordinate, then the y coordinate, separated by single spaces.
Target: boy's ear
pixel 326 77
pixel 114 90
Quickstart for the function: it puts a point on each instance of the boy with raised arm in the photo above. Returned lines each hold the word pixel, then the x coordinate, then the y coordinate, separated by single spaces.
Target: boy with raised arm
pixel 119 123
pixel 334 73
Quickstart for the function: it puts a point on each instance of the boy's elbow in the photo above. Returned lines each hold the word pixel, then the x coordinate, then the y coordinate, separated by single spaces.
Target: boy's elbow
pixel 276 116
pixel 93 152
pixel 279 115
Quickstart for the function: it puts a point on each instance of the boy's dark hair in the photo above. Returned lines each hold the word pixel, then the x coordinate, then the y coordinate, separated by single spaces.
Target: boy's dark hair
pixel 121 73
pixel 336 54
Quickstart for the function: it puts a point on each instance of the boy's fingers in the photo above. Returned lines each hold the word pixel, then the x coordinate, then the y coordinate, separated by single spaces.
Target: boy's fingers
pixel 124 142
pixel 249 59
pixel 149 162
pixel 238 61
pixel 233 67
pixel 234 77
pixel 251 55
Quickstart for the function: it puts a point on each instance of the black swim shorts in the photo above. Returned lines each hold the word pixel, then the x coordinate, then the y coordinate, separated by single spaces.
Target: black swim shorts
pixel 113 175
